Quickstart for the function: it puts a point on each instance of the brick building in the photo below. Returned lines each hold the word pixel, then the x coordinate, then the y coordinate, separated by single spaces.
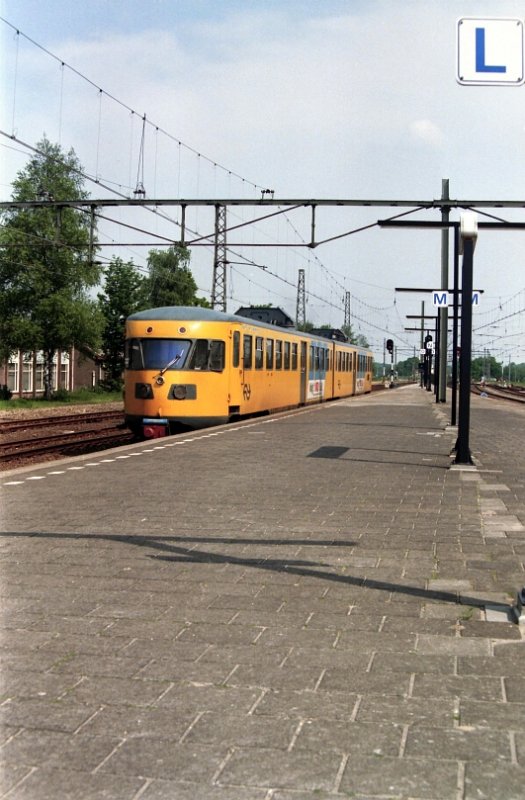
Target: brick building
pixel 23 374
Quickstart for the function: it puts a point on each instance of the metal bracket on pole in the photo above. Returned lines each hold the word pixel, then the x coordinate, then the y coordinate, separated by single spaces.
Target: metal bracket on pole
pixel 312 235
pixel 92 223
pixel 182 224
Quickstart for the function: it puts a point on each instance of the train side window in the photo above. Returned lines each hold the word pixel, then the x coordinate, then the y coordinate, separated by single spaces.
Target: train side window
pixel 278 354
pixel 259 352
pixel 287 355
pixel 236 350
pixel 338 362
pixel 294 355
pixel 199 356
pixel 216 360
pixel 247 352
pixel 269 354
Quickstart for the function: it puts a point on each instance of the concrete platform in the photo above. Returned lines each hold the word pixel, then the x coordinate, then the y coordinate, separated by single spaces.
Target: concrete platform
pixel 309 606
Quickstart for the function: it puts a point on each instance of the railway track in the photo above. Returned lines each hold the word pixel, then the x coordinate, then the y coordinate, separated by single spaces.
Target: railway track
pixel 514 394
pixel 63 419
pixel 35 440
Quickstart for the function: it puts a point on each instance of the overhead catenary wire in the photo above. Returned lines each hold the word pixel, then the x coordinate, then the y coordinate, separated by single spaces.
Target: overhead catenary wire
pixel 154 210
pixel 123 105
pixel 106 184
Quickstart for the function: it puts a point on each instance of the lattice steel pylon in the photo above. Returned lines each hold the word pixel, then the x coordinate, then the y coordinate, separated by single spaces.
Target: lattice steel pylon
pixel 300 311
pixel 347 309
pixel 218 291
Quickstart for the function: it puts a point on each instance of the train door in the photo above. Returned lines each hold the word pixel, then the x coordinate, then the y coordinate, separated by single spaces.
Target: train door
pixel 236 374
pixel 353 357
pixel 304 371
pixel 331 366
pixel 247 376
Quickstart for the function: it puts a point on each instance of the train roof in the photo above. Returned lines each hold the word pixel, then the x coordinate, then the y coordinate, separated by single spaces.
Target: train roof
pixel 181 313
pixel 200 314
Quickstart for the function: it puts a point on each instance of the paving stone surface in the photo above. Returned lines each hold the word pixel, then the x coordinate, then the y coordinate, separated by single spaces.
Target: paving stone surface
pixel 310 606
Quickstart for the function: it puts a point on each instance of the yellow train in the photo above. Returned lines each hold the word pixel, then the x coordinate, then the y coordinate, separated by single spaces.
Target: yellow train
pixel 197 367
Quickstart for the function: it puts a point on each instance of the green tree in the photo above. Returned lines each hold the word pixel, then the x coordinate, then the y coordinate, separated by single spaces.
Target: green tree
pixel 360 340
pixel 348 332
pixel 485 366
pixel 306 326
pixel 355 338
pixel 46 265
pixel 515 373
pixel 170 281
pixel 120 298
pixel 408 368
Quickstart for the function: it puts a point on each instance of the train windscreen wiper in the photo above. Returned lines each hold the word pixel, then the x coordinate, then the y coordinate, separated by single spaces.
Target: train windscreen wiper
pixel 170 363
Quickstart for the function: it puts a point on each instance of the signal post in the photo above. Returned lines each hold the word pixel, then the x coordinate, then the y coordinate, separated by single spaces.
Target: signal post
pixel 390 348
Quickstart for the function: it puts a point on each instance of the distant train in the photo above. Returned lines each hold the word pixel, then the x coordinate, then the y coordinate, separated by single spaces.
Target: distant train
pixel 195 367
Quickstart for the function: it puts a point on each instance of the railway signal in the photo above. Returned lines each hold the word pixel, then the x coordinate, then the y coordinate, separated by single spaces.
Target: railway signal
pixel 389 344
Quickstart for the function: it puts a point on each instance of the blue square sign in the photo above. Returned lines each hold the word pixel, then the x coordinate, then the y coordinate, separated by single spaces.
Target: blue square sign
pixel 490 51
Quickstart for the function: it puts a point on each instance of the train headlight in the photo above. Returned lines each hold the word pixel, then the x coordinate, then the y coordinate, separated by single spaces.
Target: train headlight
pixel 182 391
pixel 143 391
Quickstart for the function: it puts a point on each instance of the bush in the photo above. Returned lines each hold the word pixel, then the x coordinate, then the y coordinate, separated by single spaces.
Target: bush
pixel 5 392
pixel 62 395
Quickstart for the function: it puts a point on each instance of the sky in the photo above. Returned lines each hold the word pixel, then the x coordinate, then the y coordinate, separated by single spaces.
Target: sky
pixel 339 99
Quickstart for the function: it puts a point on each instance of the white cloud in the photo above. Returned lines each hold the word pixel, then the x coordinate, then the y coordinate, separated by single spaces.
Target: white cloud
pixel 428 132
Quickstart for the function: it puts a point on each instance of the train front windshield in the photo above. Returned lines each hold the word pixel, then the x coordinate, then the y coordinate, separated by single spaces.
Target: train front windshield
pixel 158 354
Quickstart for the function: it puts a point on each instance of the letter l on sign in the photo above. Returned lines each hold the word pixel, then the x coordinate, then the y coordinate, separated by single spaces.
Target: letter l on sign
pixel 490 51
